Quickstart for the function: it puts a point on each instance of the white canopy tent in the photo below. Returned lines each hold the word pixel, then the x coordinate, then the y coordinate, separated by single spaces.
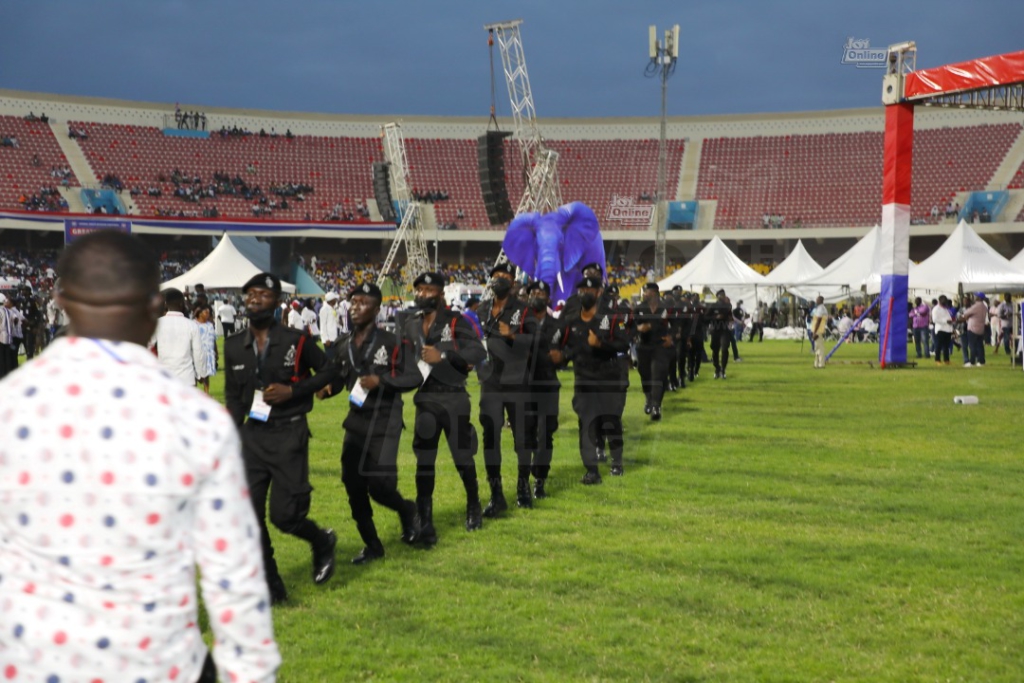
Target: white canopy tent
pixel 855 270
pixel 224 268
pixel 716 267
pixel 797 267
pixel 966 259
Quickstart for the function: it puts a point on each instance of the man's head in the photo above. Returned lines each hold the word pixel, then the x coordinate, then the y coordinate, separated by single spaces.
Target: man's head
pixel 589 289
pixel 943 301
pixel 1006 297
pixel 502 279
pixel 109 287
pixel 539 295
pixel 174 300
pixel 820 300
pixel 429 288
pixel 472 302
pixel 720 295
pixel 331 298
pixel 917 301
pixel 262 296
pixel 366 299
pixel 651 292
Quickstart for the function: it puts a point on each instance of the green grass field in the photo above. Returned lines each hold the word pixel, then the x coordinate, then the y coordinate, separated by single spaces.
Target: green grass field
pixel 788 524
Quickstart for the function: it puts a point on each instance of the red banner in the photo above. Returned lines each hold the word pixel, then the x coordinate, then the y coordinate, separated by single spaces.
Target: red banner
pixel 986 72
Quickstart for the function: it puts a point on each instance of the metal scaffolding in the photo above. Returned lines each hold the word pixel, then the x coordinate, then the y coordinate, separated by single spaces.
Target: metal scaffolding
pixel 410 231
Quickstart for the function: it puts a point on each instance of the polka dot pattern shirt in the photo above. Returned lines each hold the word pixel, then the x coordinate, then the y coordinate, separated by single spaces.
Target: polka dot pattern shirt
pixel 116 482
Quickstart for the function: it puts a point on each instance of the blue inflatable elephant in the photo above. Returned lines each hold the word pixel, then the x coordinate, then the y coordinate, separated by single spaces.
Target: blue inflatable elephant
pixel 555 246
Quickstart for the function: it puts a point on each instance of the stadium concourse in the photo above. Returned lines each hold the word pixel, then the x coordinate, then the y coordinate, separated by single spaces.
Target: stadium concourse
pixel 815 176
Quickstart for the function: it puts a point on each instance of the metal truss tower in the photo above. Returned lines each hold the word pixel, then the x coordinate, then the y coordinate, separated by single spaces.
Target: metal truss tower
pixel 542 192
pixel 410 231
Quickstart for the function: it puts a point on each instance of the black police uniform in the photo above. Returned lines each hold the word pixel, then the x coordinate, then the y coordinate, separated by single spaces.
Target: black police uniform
pixel 695 339
pixel 277 451
pixel 720 328
pixel 544 399
pixel 599 388
pixel 369 453
pixel 504 388
pixel 442 407
pixel 653 357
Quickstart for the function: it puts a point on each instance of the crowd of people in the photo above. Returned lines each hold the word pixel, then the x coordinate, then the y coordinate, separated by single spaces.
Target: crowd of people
pixel 48 198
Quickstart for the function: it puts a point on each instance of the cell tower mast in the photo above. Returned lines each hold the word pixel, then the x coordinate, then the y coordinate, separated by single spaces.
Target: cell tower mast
pixel 410 231
pixel 542 192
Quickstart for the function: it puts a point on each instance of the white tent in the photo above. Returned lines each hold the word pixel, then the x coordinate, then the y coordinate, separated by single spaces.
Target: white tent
pixel 224 268
pixel 966 259
pixel 797 267
pixel 716 267
pixel 856 269
pixel 1018 260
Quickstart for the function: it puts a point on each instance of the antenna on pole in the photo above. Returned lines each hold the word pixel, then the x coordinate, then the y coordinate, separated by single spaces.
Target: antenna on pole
pixel 663 56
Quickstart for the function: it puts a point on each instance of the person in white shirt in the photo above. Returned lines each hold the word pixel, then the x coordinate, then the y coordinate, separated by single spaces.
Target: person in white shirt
pixel 819 325
pixel 99 581
pixel 177 341
pixel 309 321
pixel 329 330
pixel 943 321
pixel 8 354
pixel 845 323
pixel 295 320
pixel 343 320
pixel 226 313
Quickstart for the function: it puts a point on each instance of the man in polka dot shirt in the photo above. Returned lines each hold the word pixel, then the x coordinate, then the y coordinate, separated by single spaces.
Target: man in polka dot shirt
pixel 116 481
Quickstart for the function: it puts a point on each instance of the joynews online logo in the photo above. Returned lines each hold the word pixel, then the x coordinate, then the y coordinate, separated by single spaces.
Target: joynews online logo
pixel 858 51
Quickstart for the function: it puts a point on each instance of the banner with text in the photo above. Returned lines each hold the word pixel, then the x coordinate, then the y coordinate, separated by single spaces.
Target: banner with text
pixel 79 227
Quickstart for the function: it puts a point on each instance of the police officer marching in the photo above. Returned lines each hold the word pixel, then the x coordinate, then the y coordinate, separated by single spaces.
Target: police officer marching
pixel 268 391
pixel 655 348
pixel 508 330
pixel 446 348
pixel 594 341
pixel 720 328
pixel 544 384
pixel 373 368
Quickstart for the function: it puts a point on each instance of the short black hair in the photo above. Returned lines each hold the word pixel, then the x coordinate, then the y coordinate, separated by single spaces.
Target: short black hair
pixel 109 263
pixel 174 296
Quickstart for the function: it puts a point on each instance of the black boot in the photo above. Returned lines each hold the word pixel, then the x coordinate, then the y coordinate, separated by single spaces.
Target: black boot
pixel 374 550
pixel 278 593
pixel 498 504
pixel 538 489
pixel 474 518
pixel 425 507
pixel 323 556
pixel 411 523
pixel 524 498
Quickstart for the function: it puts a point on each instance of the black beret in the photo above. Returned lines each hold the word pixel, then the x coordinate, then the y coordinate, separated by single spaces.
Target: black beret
pixel 612 289
pixel 652 286
pixel 720 292
pixel 595 265
pixel 505 267
pixel 368 289
pixel 590 283
pixel 541 285
pixel 263 281
pixel 429 279
pixel 677 288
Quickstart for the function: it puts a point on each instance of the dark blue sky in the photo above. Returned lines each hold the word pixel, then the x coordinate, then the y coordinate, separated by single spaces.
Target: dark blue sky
pixel 585 58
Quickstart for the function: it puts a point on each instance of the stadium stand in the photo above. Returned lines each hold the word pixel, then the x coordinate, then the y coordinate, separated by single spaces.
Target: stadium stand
pixel 26 168
pixel 832 180
pixel 593 171
pixel 336 167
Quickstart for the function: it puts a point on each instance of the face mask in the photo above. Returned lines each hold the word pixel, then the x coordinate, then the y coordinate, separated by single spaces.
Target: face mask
pixel 501 287
pixel 538 304
pixel 588 300
pixel 261 319
pixel 426 304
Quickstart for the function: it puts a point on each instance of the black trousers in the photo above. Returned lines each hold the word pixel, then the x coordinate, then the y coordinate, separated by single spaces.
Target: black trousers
pixel 653 364
pixel 757 328
pixel 943 340
pixel 276 456
pixel 369 469
pixel 695 355
pixel 446 413
pixel 720 341
pixel 229 328
pixel 495 403
pixel 599 411
pixel 544 405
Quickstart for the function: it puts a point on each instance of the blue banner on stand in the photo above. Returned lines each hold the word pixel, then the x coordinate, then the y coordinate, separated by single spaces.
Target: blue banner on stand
pixel 79 227
pixel 892 331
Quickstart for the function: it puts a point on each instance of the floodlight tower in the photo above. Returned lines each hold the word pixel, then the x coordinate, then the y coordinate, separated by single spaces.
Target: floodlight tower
pixel 663 55
pixel 410 231
pixel 542 192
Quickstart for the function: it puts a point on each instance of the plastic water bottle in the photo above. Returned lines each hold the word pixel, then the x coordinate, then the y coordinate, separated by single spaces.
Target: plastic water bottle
pixel 965 400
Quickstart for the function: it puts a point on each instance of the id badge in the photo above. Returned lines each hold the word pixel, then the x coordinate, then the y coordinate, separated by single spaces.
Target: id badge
pixel 260 409
pixel 357 396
